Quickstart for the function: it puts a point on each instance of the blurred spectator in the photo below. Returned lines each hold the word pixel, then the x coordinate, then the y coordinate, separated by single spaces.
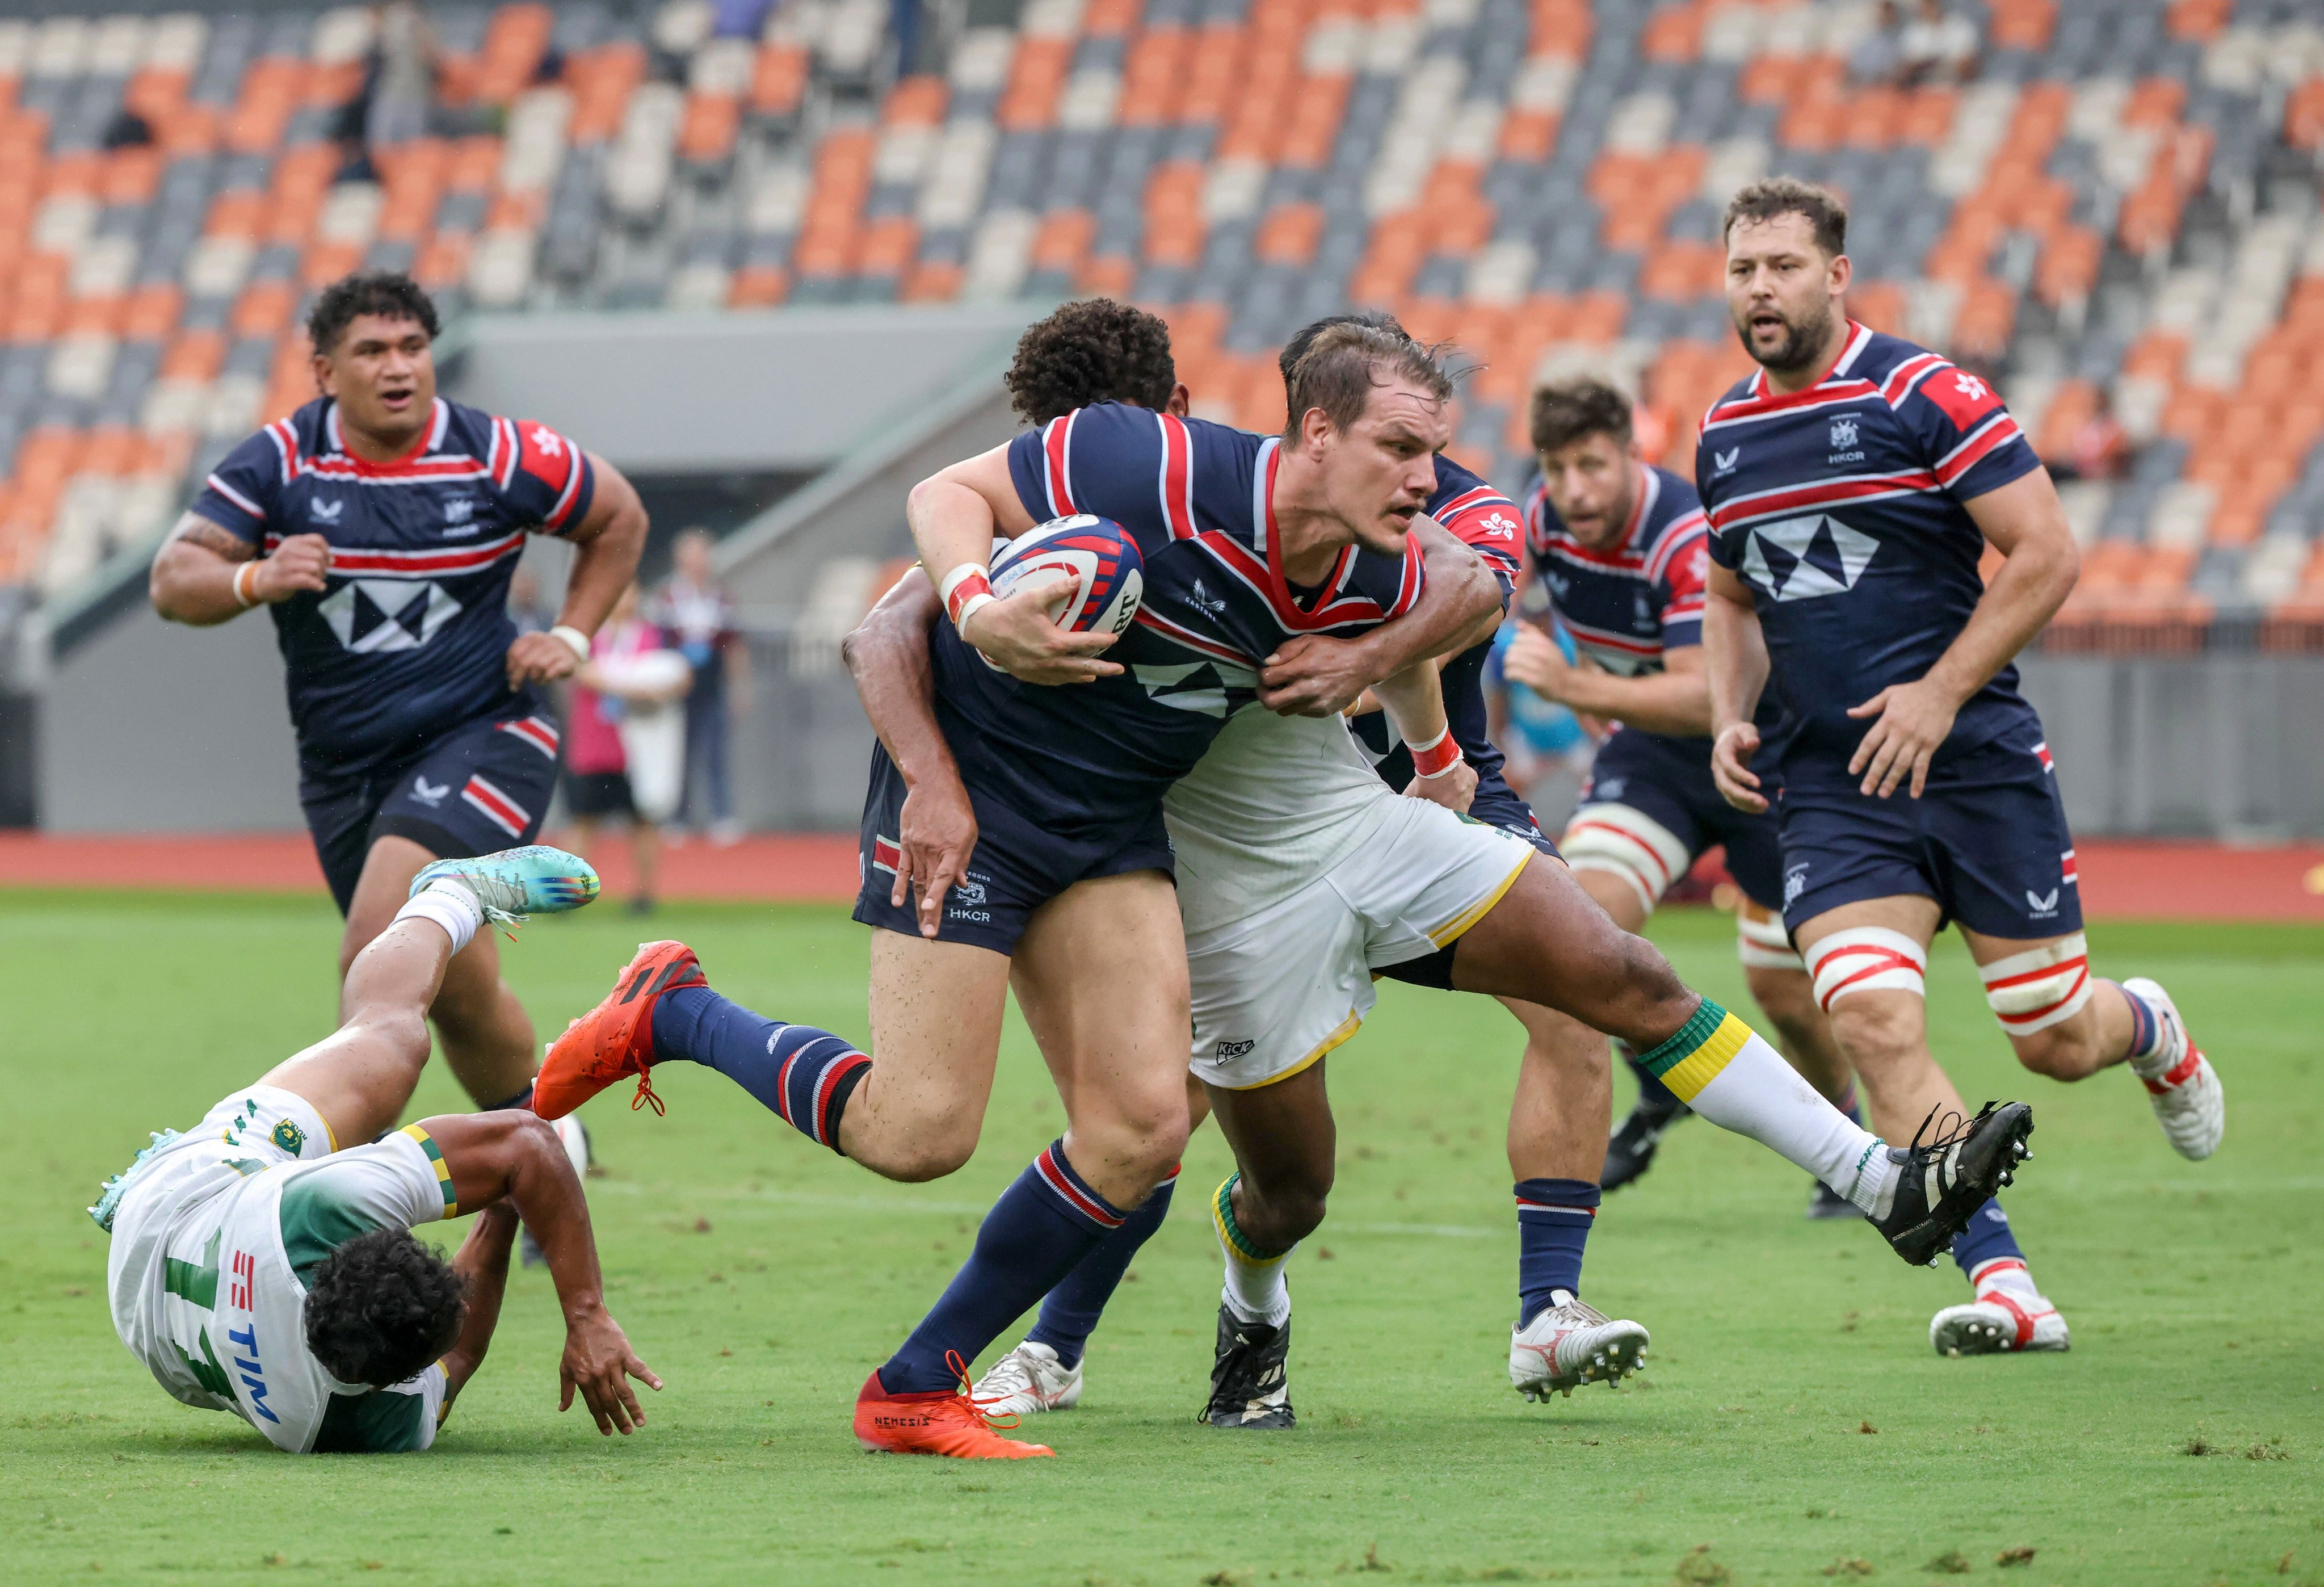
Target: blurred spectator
pixel 1877 55
pixel 526 608
pixel 400 86
pixel 1937 46
pixel 739 19
pixel 697 613
pixel 2098 449
pixel 624 741
pixel 1548 749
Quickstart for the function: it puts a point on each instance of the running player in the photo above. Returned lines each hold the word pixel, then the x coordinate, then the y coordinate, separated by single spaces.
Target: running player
pixel 1292 853
pixel 1617 548
pixel 1090 351
pixel 260 1267
pixel 1853 483
pixel 381 524
pixel 1067 893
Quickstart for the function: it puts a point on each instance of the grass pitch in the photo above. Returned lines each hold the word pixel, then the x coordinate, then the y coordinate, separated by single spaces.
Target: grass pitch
pixel 1793 1425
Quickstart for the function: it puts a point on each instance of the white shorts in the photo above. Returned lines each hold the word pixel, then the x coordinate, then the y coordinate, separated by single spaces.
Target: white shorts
pixel 1276 991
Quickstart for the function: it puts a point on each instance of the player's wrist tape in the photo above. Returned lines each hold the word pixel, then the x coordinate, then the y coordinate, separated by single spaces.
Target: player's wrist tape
pixel 574 637
pixel 241 591
pixel 965 588
pixel 1437 756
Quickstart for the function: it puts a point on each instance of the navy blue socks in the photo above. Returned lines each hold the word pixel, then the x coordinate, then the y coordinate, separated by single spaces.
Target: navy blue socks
pixel 804 1075
pixel 1070 1311
pixel 1554 1219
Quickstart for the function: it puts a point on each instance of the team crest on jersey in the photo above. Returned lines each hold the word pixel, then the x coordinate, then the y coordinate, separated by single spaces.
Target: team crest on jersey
pixel 1498 527
pixel 1800 559
pixel 290 1138
pixel 1843 432
pixel 459 516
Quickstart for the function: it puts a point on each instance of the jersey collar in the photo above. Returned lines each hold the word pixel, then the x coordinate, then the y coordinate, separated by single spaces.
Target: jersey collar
pixel 335 439
pixel 1271 540
pixel 1849 348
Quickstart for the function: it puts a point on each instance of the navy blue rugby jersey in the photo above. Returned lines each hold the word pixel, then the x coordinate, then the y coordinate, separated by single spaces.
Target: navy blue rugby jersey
pixel 410 640
pixel 1199 499
pixel 1840 506
pixel 1626 605
pixel 1489 523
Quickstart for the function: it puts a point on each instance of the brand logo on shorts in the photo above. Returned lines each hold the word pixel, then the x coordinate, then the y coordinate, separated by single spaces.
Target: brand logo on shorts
pixel 290 1138
pixel 1235 1050
pixel 430 794
pixel 1795 883
pixel 2040 905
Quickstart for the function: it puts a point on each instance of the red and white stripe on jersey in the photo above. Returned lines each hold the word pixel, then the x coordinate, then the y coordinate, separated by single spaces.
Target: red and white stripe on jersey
pixel 1909 374
pixel 2042 753
pixel 1174 479
pixel 1995 433
pixel 1262 570
pixel 1489 523
pixel 1756 403
pixel 1060 1181
pixel 1627 645
pixel 2070 875
pixel 501 810
pixel 286 445
pixel 1785 501
pixel 1057 462
pixel 236 497
pixel 385 564
pixel 1178 634
pixel 543 453
pixel 539 731
pixel 886 854
pixel 424 464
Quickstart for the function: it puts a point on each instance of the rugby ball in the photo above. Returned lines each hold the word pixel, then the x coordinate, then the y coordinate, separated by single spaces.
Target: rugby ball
pixel 1097 553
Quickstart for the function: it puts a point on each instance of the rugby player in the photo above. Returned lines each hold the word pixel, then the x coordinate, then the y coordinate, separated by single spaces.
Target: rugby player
pixel 260 1266
pixel 1617 546
pixel 1852 483
pixel 380 524
pixel 1300 872
pixel 1099 351
pixel 1057 792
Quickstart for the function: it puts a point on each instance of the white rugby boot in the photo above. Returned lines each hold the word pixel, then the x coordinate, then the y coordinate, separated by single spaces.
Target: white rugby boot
pixel 1027 1380
pixel 2008 1315
pixel 1568 1344
pixel 2180 1080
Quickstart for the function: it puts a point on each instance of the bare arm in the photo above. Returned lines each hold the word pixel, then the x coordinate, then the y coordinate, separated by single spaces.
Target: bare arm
pixel 609 538
pixel 1413 698
pixel 483 1260
pixel 194 572
pixel 2024 522
pixel 516 1157
pixel 1675 700
pixel 1314 675
pixel 1735 656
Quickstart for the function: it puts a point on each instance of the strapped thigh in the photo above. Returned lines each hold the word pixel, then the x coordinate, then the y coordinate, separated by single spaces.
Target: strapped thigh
pixel 1866 958
pixel 2041 987
pixel 1764 944
pixel 1626 841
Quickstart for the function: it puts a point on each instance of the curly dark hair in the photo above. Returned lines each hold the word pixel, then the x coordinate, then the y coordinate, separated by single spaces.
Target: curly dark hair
pixel 1095 350
pixel 382 1306
pixel 389 293
pixel 1565 410
pixel 1765 199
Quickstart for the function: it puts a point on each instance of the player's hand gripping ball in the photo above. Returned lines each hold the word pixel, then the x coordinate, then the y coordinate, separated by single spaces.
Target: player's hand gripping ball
pixel 1097 553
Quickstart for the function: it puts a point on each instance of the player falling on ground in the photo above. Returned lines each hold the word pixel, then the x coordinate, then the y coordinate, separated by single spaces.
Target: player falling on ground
pixel 1619 548
pixel 381 524
pixel 1301 873
pixel 1852 484
pixel 261 1268
pixel 1057 791
pixel 1276 837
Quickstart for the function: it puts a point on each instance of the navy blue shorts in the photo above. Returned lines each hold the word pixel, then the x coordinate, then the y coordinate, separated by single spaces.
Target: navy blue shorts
pixel 1500 806
pixel 1016 867
pixel 480 788
pixel 1668 781
pixel 1987 841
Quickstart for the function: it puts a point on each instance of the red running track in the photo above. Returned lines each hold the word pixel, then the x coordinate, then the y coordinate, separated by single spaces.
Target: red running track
pixel 2120 881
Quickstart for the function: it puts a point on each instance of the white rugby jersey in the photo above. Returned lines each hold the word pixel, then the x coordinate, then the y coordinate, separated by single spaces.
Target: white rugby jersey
pixel 213 1249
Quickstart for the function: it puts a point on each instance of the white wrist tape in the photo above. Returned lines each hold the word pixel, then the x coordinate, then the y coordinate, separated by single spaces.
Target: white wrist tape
pixel 1625 843
pixel 1866 958
pixel 1764 944
pixel 575 640
pixel 241 591
pixel 2039 988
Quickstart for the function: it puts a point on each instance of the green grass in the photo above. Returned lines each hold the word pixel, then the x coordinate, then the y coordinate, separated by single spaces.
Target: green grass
pixel 763 1278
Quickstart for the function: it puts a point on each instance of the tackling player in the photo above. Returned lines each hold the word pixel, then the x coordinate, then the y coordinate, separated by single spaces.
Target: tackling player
pixel 381 524
pixel 1852 483
pixel 1292 853
pixel 1619 548
pixel 260 1267
pixel 1067 894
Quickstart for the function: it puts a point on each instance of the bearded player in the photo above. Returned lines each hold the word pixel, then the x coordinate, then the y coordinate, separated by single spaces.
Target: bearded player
pixel 1853 484
pixel 1301 875
pixel 1068 896
pixel 1617 548
pixel 264 1262
pixel 380 525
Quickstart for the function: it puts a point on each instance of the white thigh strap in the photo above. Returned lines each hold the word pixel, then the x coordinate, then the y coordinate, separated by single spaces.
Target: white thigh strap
pixel 1628 843
pixel 1866 958
pixel 2037 989
pixel 1764 944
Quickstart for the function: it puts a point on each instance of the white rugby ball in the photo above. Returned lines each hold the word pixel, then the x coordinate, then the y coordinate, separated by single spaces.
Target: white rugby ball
pixel 1098 554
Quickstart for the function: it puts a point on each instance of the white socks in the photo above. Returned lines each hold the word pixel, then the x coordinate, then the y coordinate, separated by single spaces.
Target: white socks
pixel 450 905
pixel 1254 1291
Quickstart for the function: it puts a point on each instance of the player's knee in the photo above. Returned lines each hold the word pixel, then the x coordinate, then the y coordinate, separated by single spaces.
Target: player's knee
pixel 1286 1207
pixel 2061 1052
pixel 2042 998
pixel 1787 997
pixel 917 1161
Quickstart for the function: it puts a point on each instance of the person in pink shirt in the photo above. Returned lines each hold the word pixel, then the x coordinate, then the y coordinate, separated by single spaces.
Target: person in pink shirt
pixel 624 739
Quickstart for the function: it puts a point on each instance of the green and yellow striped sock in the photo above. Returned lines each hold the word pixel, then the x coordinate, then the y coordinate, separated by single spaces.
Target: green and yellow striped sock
pixel 1255 1290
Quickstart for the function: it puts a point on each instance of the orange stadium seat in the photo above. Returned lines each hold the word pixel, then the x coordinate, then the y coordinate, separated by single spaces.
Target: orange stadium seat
pixel 779 79
pixel 2022 25
pixel 1064 240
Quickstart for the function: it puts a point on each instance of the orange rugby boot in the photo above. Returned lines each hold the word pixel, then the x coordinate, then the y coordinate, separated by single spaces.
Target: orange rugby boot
pixel 615 1037
pixel 945 1421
